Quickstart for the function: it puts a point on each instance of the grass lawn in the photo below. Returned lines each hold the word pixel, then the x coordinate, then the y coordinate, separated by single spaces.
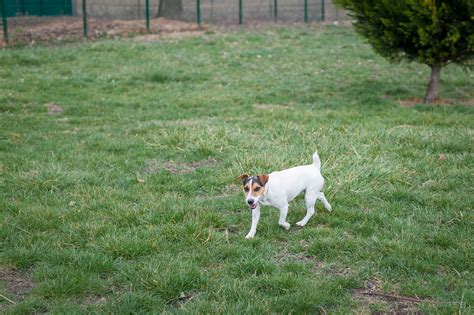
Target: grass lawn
pixel 118 165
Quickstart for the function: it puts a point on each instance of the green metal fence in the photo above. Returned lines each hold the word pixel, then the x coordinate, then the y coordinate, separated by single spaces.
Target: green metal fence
pixel 91 18
pixel 38 7
pixel 256 11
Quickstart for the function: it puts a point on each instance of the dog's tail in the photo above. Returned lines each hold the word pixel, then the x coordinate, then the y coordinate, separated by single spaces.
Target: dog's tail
pixel 316 160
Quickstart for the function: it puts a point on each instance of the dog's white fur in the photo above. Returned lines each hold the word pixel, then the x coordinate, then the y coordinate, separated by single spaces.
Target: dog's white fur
pixel 284 186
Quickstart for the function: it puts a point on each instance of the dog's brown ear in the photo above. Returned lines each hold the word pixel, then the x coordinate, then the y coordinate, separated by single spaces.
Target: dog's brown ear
pixel 243 177
pixel 263 178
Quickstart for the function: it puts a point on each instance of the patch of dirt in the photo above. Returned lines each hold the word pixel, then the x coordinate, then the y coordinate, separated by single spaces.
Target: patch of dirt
pixel 229 190
pixel 340 271
pixel 318 266
pixel 94 300
pixel 192 122
pixel 285 256
pixel 232 229
pixel 151 167
pixel 16 283
pixel 180 168
pixel 270 106
pixel 54 109
pixel 32 30
pixel 182 299
pixel 176 35
pixel 442 102
pixel 203 163
pixel 429 184
pixel 372 294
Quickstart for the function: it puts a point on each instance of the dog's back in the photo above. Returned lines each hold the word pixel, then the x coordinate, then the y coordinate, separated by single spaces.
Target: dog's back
pixel 297 179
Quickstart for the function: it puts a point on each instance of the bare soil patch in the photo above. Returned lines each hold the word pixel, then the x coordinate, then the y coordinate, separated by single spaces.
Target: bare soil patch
pixel 175 167
pixel 270 106
pixel 372 294
pixel 232 229
pixel 182 299
pixel 16 283
pixel 176 35
pixel 95 300
pixel 440 102
pixel 285 255
pixel 318 266
pixel 54 109
pixel 230 190
pixel 32 30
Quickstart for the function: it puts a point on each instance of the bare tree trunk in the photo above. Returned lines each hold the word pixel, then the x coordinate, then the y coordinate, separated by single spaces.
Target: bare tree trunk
pixel 160 9
pixel 432 89
pixel 170 8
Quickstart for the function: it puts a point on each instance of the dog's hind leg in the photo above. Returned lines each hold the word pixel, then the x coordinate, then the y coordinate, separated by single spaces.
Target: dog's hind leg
pixel 310 199
pixel 325 201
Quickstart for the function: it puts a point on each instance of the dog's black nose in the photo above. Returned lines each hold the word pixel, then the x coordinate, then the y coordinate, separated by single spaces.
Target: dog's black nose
pixel 250 201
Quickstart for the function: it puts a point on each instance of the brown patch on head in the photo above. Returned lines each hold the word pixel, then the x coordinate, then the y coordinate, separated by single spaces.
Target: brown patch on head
pixel 263 179
pixel 246 187
pixel 243 178
pixel 257 189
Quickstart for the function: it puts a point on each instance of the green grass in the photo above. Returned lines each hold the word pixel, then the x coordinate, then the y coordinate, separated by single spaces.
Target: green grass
pixel 127 200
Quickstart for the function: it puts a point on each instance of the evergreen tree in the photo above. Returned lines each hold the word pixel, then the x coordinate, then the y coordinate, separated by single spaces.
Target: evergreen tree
pixel 432 32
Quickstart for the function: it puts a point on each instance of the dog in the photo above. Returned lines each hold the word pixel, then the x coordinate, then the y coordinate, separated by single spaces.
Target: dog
pixel 277 189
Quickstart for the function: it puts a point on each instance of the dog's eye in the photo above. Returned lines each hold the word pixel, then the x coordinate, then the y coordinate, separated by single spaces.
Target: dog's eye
pixel 246 189
pixel 257 188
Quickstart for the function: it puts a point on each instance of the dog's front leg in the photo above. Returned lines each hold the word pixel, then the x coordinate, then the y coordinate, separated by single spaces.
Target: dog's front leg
pixel 282 219
pixel 255 219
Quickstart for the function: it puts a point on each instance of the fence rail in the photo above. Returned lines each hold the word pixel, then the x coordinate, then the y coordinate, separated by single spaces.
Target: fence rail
pixel 21 19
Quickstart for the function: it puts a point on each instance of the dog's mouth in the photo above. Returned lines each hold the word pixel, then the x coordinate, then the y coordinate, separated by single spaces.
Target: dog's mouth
pixel 253 206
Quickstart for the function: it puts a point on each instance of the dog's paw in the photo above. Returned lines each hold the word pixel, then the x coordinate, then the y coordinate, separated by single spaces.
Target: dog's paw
pixel 329 208
pixel 300 223
pixel 285 225
pixel 250 235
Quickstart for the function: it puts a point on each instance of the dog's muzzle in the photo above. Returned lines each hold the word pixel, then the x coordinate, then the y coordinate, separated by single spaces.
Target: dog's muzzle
pixel 252 204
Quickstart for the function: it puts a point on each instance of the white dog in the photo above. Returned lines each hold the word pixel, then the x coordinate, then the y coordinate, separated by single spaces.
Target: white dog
pixel 278 188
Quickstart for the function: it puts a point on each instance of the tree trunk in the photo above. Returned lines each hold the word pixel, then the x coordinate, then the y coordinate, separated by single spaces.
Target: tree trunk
pixel 170 8
pixel 432 89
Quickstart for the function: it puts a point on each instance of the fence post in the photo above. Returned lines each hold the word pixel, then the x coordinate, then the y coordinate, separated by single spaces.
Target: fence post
pixel 198 12
pixel 147 12
pixel 306 11
pixel 323 13
pixel 4 21
pixel 84 16
pixel 241 18
pixel 275 9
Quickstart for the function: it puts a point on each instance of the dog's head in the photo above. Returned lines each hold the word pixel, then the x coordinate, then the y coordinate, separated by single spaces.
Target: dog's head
pixel 254 188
